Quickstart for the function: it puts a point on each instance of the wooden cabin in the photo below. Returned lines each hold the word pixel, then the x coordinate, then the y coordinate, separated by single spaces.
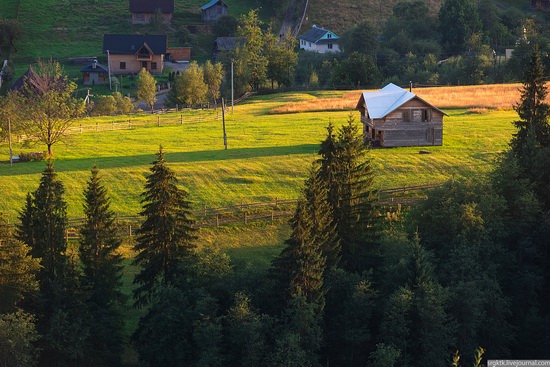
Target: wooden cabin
pixel 95 74
pixel 395 117
pixel 144 10
pixel 214 10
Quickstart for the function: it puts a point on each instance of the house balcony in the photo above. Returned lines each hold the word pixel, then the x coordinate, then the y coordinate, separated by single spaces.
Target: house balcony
pixel 144 57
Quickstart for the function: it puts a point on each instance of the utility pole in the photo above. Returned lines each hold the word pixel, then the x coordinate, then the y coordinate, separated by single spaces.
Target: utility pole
pixel 9 141
pixel 109 68
pixel 232 89
pixel 223 124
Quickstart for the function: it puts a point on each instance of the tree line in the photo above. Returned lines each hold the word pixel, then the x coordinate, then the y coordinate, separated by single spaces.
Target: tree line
pixel 462 277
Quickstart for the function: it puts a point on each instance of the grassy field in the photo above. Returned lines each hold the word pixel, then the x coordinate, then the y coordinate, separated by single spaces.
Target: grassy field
pixel 268 155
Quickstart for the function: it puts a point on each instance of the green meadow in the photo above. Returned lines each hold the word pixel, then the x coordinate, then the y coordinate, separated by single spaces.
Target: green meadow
pixel 268 155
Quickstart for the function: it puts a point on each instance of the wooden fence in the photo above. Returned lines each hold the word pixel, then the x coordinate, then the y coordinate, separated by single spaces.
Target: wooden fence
pixel 261 212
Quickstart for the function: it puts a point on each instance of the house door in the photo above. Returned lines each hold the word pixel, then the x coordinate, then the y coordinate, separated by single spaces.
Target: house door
pixel 430 135
pixel 144 64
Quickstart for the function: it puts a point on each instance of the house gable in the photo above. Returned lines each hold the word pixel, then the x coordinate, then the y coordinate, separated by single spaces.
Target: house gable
pixel 394 117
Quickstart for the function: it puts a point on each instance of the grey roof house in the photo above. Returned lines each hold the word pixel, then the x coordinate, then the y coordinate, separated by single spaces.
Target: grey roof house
pixel 225 44
pixel 214 10
pixel 395 117
pixel 320 40
pixel 95 74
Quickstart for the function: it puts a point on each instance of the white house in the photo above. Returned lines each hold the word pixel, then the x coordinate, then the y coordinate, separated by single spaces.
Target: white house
pixel 320 40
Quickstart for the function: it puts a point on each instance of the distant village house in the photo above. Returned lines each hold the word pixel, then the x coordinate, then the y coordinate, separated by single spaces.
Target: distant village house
pixel 319 40
pixel 95 74
pixel 543 5
pixel 129 53
pixel 144 10
pixel 224 45
pixel 214 10
pixel 395 117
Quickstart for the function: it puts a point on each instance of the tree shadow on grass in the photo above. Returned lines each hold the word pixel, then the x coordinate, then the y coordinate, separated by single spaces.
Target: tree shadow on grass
pixel 85 164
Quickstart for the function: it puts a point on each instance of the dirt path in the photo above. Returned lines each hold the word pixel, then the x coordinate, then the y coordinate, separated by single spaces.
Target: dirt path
pixel 292 21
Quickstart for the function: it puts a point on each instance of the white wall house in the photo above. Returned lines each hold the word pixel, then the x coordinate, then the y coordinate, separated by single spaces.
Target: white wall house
pixel 320 40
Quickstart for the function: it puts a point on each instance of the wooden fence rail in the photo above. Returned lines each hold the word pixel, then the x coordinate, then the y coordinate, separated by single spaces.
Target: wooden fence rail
pixel 255 212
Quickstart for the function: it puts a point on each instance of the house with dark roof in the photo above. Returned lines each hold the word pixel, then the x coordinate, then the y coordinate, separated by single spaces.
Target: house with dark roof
pixel 214 10
pixel 223 45
pixel 395 117
pixel 129 53
pixel 95 74
pixel 30 81
pixel 319 40
pixel 143 10
pixel 543 5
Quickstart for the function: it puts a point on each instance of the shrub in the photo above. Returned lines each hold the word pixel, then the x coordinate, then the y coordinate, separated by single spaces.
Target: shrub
pixel 31 156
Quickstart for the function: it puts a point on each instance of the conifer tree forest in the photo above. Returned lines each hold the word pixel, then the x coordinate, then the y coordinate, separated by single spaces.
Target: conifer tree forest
pixel 460 278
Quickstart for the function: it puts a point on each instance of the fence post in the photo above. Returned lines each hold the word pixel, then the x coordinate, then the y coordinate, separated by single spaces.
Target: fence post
pixel 276 201
pixel 158 121
pixel 96 126
pixel 113 125
pixel 129 127
pixel 272 216
pixel 176 107
pixel 67 235
pixel 81 128
pixel 217 220
pixel 245 218
pixel 181 119
pixel 130 230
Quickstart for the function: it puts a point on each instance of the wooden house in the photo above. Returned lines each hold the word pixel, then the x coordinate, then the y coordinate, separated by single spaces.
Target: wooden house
pixel 214 10
pixel 543 5
pixel 395 117
pixel 95 74
pixel 225 45
pixel 143 10
pixel 319 40
pixel 129 53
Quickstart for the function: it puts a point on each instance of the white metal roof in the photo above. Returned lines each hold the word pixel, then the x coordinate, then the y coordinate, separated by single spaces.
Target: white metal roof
pixel 386 100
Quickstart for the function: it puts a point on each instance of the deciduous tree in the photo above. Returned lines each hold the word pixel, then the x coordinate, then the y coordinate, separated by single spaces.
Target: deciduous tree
pixel 146 89
pixel 49 106
pixel 213 77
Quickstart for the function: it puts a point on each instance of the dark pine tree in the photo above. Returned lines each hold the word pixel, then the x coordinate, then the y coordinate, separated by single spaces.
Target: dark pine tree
pixel 59 306
pixel 348 176
pixel 43 225
pixel 533 128
pixel 165 239
pixel 101 275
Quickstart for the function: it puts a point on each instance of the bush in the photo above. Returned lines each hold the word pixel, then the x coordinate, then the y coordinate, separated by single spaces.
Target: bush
pixel 31 156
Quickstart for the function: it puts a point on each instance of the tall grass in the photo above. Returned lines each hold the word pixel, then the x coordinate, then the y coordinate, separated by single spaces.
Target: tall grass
pixel 268 155
pixel 493 96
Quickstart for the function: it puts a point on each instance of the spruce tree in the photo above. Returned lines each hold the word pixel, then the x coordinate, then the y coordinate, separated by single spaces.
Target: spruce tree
pixel 43 225
pixel 348 176
pixel 59 306
pixel 533 128
pixel 101 274
pixel 165 238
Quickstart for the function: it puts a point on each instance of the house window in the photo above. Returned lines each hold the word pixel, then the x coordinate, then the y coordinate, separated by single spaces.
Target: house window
pixel 122 65
pixel 309 44
pixel 153 66
pixel 407 115
pixel 329 46
pixel 144 64
pixel 329 35
pixel 426 115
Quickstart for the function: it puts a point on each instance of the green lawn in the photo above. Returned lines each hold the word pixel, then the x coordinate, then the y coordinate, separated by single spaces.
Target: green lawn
pixel 268 155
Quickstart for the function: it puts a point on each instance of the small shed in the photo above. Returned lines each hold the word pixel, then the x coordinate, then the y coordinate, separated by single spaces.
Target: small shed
pixel 214 10
pixel 95 74
pixel 143 10
pixel 395 117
